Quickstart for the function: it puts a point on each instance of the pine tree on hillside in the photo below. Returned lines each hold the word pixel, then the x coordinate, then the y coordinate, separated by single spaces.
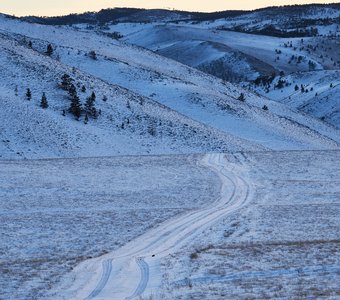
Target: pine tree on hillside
pixel 93 96
pixel 49 50
pixel 72 91
pixel 28 94
pixel 90 109
pixel 241 97
pixel 75 107
pixel 93 55
pixel 44 102
pixel 66 82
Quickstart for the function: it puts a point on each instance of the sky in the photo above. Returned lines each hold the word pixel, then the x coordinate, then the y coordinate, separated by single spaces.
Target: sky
pixel 62 7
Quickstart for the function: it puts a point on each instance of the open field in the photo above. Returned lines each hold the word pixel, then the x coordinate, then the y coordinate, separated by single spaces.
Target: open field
pixel 57 213
pixel 284 244
pixel 273 232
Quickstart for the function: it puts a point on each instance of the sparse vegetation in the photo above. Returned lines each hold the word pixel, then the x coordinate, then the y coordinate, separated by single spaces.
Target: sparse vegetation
pixel 93 55
pixel 242 97
pixel 49 50
pixel 44 102
pixel 28 94
pixel 90 108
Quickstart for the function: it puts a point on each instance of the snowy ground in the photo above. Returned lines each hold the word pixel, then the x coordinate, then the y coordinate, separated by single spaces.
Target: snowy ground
pixel 57 213
pixel 284 244
pixel 97 227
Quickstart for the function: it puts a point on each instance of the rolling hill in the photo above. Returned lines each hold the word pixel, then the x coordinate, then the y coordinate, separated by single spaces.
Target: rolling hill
pixel 152 104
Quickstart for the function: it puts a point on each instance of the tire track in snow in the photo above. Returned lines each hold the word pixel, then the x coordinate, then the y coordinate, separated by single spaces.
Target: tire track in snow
pixel 144 269
pixel 107 269
pixel 159 242
pixel 235 204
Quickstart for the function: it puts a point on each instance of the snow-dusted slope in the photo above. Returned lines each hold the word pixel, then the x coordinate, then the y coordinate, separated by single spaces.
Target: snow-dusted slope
pixel 129 123
pixel 253 45
pixel 316 93
pixel 241 57
pixel 228 124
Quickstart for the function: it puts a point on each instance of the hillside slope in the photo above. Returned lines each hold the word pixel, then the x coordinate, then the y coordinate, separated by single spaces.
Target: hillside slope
pixel 254 46
pixel 209 117
pixel 128 123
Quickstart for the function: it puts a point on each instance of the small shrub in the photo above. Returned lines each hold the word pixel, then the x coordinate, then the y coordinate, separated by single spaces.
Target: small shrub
pixel 241 97
pixel 93 55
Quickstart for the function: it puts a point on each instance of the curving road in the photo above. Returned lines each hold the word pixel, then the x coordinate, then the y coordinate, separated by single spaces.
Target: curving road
pixel 133 270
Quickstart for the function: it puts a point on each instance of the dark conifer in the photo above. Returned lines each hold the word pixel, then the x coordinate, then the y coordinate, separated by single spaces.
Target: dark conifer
pixel 90 108
pixel 28 94
pixel 49 50
pixel 66 81
pixel 44 102
pixel 93 55
pixel 241 97
pixel 72 91
pixel 75 107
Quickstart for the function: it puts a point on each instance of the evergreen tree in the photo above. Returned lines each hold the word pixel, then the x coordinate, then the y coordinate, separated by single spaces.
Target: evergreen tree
pixel 66 82
pixel 296 88
pixel 30 45
pixel 16 90
pixel 75 107
pixel 90 109
pixel 280 84
pixel 49 50
pixel 265 107
pixel 44 102
pixel 72 91
pixel 83 89
pixel 28 94
pixel 241 97
pixel 93 55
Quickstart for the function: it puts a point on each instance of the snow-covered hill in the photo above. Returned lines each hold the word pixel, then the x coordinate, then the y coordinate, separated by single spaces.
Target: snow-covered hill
pixel 202 113
pixel 128 123
pixel 316 93
pixel 226 50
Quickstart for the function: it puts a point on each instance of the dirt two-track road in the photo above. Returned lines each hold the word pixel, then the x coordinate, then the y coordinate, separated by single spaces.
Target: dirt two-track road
pixel 134 270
